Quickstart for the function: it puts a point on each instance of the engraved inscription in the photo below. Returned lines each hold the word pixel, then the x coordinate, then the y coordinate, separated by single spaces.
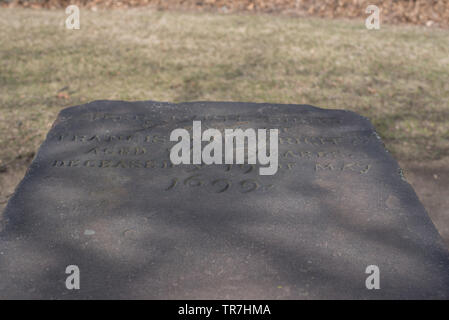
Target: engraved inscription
pixel 219 185
pixel 143 145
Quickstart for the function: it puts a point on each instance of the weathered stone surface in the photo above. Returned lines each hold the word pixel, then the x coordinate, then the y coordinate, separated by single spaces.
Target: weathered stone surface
pixel 102 194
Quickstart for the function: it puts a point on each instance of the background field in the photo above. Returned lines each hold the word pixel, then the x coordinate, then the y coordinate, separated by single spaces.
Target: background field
pixel 397 76
pixel 421 12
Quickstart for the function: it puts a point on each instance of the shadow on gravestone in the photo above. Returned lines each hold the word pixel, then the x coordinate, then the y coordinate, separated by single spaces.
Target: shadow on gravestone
pixel 102 194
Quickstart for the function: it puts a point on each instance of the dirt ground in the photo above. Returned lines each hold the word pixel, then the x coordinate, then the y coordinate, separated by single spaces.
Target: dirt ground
pixel 421 12
pixel 9 180
pixel 430 179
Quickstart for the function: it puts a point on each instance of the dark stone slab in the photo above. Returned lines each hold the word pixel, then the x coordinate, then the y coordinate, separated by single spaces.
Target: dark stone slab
pixel 102 194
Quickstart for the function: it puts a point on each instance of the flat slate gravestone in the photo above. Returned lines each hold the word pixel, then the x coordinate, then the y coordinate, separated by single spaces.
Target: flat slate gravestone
pixel 103 195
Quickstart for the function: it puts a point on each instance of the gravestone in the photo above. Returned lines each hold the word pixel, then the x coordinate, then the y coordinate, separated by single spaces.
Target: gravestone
pixel 103 195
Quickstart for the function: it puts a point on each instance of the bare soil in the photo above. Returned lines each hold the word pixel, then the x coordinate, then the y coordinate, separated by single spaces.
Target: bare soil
pixel 430 179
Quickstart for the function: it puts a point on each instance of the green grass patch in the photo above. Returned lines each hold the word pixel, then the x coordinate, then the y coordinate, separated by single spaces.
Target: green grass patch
pixel 397 76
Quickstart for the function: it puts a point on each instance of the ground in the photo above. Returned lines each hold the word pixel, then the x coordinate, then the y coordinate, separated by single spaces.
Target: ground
pixel 397 76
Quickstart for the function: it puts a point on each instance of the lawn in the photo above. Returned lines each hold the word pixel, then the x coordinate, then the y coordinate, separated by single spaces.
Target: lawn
pixel 397 76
